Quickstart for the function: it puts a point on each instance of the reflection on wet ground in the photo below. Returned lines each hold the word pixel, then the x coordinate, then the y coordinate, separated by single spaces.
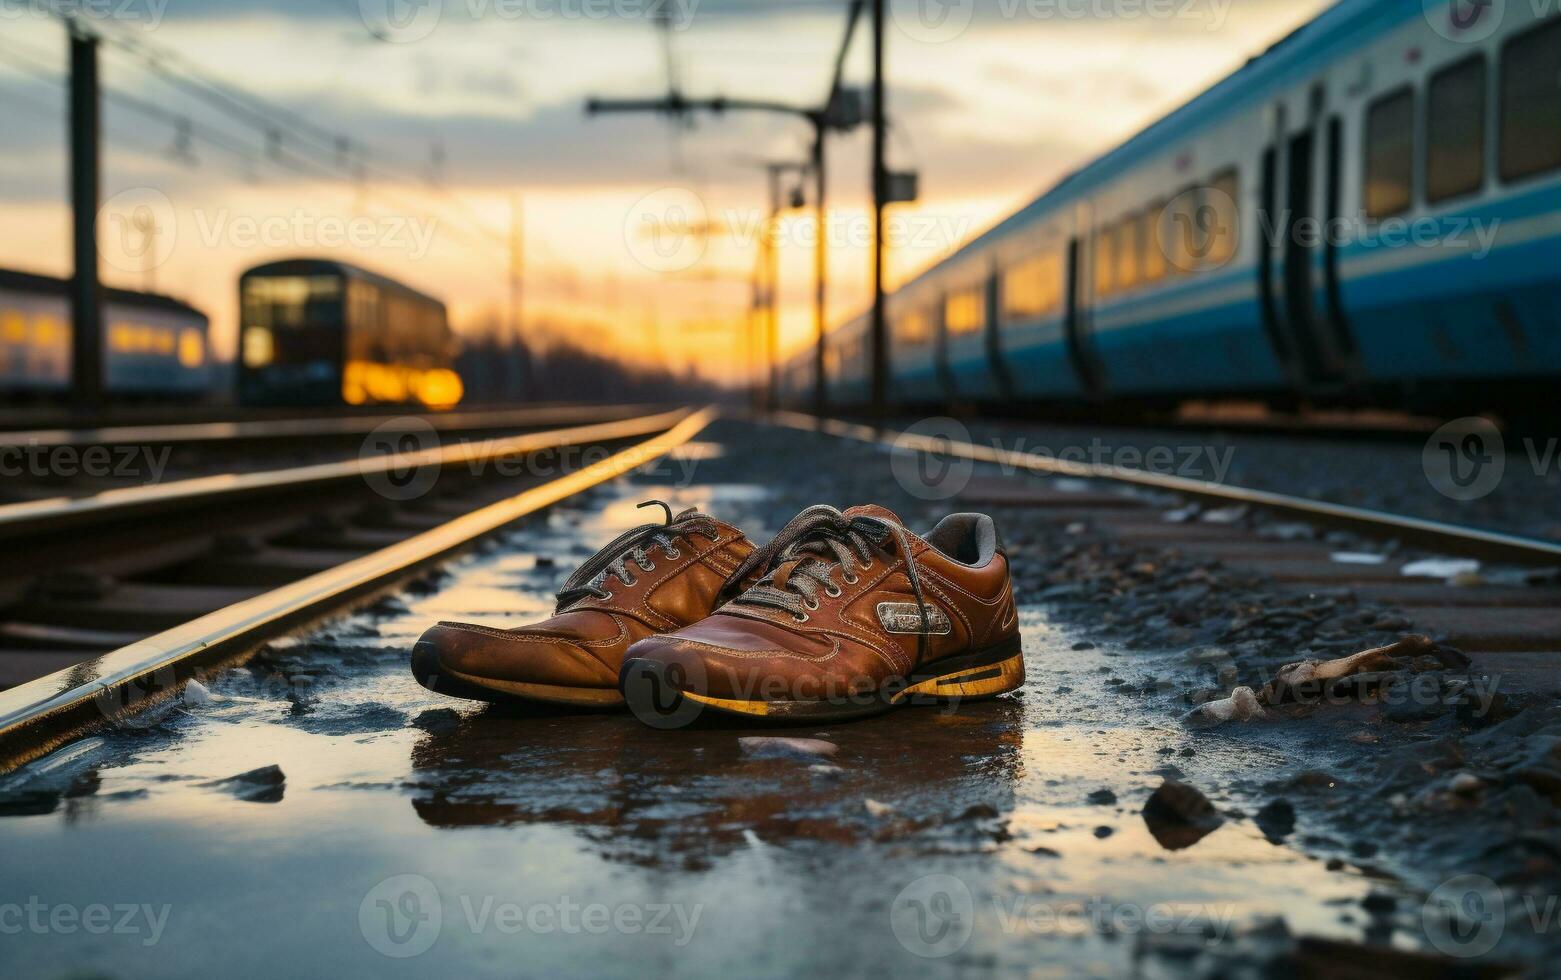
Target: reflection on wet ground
pixel 403 834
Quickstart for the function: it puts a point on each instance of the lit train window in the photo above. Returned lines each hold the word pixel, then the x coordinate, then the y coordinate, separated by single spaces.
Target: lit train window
pixel 913 330
pixel 50 332
pixel 1149 236
pixel 1220 217
pixel 1105 261
pixel 1032 287
pixel 13 327
pixel 1531 103
pixel 1455 130
pixel 1130 253
pixel 192 349
pixel 964 312
pixel 1181 238
pixel 1390 154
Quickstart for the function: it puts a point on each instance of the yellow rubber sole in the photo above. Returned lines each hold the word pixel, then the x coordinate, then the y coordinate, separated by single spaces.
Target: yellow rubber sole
pixel 967 683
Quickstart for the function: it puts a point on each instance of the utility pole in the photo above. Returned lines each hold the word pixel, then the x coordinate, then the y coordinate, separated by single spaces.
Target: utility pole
pixel 837 113
pixel 820 278
pixel 85 188
pixel 767 275
pixel 520 354
pixel 880 331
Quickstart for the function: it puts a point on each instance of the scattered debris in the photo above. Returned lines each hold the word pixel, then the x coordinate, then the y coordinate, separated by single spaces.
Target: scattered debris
pixel 196 693
pixel 1224 515
pixel 771 747
pixel 1311 679
pixel 1442 568
pixel 1242 705
pixel 1357 558
pixel 1179 816
pixel 876 809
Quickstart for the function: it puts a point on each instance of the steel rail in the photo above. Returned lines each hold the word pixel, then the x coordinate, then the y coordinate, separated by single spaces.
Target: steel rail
pixel 342 425
pixel 43 714
pixel 1448 538
pixel 57 513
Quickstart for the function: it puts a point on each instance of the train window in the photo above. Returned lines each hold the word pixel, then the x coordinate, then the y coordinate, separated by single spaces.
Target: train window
pixel 13 327
pixel 965 312
pixel 1180 240
pixel 1149 237
pixel 1130 252
pixel 913 330
pixel 1105 261
pixel 1455 130
pixel 1531 103
pixel 1390 154
pixel 1220 218
pixel 1032 287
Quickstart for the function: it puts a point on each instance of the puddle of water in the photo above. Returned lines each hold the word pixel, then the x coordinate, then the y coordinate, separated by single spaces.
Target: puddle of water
pixel 415 834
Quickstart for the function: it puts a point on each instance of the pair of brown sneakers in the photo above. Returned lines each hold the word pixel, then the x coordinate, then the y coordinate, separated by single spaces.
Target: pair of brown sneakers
pixel 841 615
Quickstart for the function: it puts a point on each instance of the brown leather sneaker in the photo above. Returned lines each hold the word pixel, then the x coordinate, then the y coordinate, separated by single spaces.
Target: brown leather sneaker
pixel 652 579
pixel 853 615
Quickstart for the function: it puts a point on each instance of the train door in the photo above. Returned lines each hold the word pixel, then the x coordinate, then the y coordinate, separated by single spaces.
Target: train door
pixel 1001 377
pixel 1081 350
pixel 1341 340
pixel 940 352
pixel 1309 333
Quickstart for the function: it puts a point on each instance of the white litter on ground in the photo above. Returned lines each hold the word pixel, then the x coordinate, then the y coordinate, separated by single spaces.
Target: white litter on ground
pixel 196 693
pixel 1442 568
pixel 1242 705
pixel 1357 558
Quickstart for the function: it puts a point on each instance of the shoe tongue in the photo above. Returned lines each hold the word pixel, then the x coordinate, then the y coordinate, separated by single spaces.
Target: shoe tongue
pixel 873 510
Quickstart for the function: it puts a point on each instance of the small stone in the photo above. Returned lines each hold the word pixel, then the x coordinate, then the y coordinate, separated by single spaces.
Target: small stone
pixel 876 809
pixel 1179 816
pixel 196 693
pixel 1102 797
pixel 1276 819
pixel 1102 832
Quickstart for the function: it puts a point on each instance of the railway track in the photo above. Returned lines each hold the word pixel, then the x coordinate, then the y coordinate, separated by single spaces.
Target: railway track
pixel 1509 624
pixel 127 591
pixel 1005 795
pixel 49 463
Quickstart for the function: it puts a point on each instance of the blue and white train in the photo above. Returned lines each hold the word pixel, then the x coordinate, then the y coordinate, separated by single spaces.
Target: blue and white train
pixel 1369 213
pixel 154 347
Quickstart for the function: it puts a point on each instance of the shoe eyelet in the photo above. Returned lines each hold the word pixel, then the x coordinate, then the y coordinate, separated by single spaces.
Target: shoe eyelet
pixel 800 619
pixel 850 579
pixel 811 604
pixel 834 592
pixel 674 555
pixel 646 566
pixel 866 565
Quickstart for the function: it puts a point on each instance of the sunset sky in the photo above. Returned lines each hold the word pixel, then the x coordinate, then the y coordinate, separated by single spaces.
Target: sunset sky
pixel 471 105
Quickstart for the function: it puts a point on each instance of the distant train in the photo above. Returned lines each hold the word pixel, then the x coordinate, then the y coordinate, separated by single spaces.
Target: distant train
pixel 317 332
pixel 153 346
pixel 1367 214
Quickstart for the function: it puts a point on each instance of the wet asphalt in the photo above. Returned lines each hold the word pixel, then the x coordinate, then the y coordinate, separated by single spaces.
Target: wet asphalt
pixel 322 814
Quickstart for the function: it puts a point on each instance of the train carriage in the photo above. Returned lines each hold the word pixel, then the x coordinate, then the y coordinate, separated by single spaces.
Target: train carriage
pixel 320 332
pixel 154 347
pixel 1368 213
